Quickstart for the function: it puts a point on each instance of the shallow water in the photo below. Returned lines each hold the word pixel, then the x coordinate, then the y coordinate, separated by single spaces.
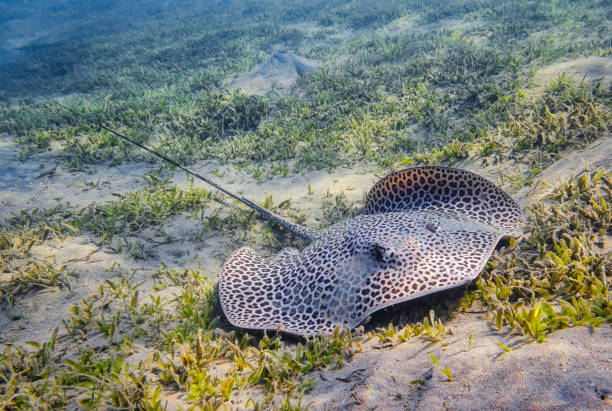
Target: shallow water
pixel 301 106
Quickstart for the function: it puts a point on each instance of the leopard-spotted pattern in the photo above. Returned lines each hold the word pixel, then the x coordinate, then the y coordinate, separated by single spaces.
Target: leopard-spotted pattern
pixel 446 189
pixel 427 229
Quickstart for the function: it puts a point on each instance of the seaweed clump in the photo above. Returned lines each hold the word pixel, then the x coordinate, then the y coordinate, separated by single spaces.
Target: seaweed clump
pixel 559 275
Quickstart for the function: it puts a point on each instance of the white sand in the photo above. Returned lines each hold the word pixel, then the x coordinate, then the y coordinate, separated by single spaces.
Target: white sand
pixel 278 72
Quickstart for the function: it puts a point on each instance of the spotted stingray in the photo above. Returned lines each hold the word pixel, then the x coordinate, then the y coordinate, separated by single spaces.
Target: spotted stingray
pixel 425 229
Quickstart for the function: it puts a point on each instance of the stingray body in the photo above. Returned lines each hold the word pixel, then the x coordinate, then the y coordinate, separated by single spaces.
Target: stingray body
pixel 425 229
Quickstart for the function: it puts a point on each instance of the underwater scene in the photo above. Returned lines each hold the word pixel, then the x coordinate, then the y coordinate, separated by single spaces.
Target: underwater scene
pixel 287 205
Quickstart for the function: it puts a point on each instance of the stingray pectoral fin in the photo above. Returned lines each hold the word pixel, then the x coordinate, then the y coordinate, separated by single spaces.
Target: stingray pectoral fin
pixel 455 259
pixel 245 282
pixel 446 189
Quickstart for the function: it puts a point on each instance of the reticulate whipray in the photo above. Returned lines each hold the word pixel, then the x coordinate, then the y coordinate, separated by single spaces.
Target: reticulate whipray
pixel 425 229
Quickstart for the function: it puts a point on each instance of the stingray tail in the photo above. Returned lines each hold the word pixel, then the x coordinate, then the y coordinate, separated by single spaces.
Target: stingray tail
pixel 303 232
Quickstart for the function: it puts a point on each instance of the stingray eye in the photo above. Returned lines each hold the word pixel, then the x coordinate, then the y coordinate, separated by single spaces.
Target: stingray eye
pixel 379 252
pixel 432 226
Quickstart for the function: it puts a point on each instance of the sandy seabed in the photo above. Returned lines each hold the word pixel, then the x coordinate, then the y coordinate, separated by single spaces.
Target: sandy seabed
pixel 571 369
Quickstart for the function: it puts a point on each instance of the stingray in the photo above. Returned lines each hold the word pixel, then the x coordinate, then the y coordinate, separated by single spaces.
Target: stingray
pixel 424 230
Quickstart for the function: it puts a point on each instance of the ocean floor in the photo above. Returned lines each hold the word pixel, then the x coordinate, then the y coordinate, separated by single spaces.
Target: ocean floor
pixel 570 369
